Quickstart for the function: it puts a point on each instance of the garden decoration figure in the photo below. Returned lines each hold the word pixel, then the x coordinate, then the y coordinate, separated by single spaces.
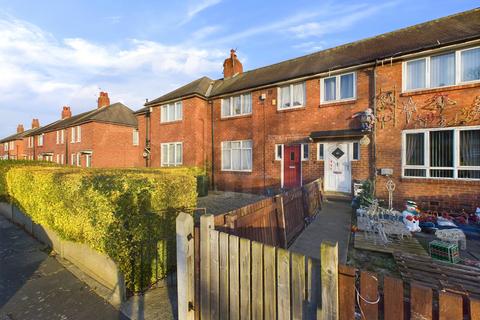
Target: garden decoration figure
pixel 390 188
pixel 411 217
pixel 367 119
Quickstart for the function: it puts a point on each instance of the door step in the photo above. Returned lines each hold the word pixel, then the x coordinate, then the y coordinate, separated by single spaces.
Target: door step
pixel 337 196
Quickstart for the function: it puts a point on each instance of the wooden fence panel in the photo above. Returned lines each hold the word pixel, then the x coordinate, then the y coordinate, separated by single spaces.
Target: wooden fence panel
pixel 369 291
pixel 283 284
pixel 245 276
pixel 234 267
pixel 329 278
pixel 393 299
pixel 298 287
pixel 206 225
pixel 224 280
pixel 420 303
pixel 214 276
pixel 257 281
pixel 474 309
pixel 450 306
pixel 313 287
pixel 270 282
pixel 185 266
pixel 294 213
pixel 346 292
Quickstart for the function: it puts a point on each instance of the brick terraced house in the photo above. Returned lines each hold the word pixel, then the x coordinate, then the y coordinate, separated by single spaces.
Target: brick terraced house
pixel 13 147
pixel 104 137
pixel 286 124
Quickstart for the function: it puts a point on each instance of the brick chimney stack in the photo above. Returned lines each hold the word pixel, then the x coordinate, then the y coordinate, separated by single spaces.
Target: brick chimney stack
pixel 35 124
pixel 20 128
pixel 103 100
pixel 232 66
pixel 66 112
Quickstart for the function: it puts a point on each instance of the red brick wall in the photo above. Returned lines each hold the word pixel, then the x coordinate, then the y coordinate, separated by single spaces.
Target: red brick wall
pixel 194 131
pixel 430 193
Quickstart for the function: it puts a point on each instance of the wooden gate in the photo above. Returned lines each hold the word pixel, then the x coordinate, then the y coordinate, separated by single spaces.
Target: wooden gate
pixel 237 278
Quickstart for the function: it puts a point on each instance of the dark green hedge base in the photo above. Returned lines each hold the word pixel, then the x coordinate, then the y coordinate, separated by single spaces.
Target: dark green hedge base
pixel 127 213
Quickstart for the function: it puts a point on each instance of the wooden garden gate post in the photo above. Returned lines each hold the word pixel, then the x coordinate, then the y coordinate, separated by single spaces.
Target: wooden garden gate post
pixel 185 266
pixel 206 224
pixel 329 276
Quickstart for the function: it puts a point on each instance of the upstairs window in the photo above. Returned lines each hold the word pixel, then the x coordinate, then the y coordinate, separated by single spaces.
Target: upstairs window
pixel 79 134
pixel 40 140
pixel 5 146
pixel 135 137
pixel 60 136
pixel 237 105
pixel 73 134
pixel 237 155
pixel 452 153
pixel 12 145
pixel 172 154
pixel 291 96
pixel 171 112
pixel 442 70
pixel 338 88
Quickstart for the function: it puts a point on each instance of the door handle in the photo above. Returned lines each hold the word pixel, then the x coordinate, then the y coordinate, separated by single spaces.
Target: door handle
pixel 292 167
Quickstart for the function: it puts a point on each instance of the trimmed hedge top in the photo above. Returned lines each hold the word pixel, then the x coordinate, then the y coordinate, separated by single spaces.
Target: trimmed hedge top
pixel 128 214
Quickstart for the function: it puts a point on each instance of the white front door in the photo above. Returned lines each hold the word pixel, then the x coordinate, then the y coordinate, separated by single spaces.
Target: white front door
pixel 338 176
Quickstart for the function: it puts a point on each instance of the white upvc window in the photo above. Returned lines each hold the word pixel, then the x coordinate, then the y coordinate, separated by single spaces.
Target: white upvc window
pixel 72 135
pixel 237 155
pixel 135 137
pixel 237 105
pixel 30 142
pixel 40 140
pixel 62 159
pixel 58 137
pixel 356 151
pixel 278 152
pixel 88 160
pixel 441 153
pixel 58 159
pixel 172 154
pixel 73 159
pixel 291 96
pixel 79 164
pixel 171 112
pixel 445 69
pixel 320 151
pixel 305 151
pixel 12 145
pixel 79 134
pixel 62 136
pixel 341 87
pixel 5 146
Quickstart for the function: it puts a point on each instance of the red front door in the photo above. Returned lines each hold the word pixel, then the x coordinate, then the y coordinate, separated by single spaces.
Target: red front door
pixel 292 167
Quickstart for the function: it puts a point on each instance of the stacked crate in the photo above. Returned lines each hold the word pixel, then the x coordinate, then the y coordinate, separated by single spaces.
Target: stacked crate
pixel 444 251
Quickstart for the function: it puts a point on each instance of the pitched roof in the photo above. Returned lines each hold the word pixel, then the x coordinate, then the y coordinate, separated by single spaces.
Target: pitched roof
pixel 116 113
pixel 452 29
pixel 436 33
pixel 196 87
pixel 16 136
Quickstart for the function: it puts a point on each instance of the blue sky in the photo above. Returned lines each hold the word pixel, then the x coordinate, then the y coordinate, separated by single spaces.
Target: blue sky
pixel 55 53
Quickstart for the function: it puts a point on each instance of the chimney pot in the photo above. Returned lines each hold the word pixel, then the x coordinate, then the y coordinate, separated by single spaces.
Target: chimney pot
pixel 20 128
pixel 103 100
pixel 66 112
pixel 35 124
pixel 232 66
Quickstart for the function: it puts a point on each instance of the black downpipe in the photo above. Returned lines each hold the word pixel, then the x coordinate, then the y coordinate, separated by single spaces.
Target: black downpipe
pixel 147 138
pixel 213 146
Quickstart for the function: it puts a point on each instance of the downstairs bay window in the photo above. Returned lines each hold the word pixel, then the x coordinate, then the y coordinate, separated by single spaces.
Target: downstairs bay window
pixel 451 153
pixel 237 155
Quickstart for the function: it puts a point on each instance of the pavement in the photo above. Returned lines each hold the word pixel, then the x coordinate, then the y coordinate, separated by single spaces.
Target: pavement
pixel 34 285
pixel 332 223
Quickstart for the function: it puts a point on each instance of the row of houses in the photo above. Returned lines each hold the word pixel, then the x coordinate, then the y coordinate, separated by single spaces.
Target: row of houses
pixel 402 107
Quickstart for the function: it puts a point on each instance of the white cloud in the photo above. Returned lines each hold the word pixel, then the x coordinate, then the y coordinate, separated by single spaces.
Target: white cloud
pixel 196 7
pixel 40 73
pixel 310 46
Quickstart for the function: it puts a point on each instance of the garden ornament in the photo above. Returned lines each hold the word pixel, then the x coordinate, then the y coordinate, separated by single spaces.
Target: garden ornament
pixel 367 119
pixel 411 217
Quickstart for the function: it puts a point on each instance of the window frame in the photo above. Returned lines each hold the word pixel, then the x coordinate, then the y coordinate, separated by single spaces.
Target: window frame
pixel 290 85
pixel 174 104
pixel 40 141
pixel 168 164
pixel 277 158
pixel 302 152
pixel 338 88
pixel 322 157
pixel 72 134
pixel 135 137
pixel 359 148
pixel 79 134
pixel 426 144
pixel 231 158
pixel 458 70
pixel 242 106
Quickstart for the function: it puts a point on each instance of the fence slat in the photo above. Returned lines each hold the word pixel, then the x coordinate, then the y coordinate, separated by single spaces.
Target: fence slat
pixel 369 291
pixel 214 276
pixel 393 298
pixel 224 281
pixel 257 281
pixel 245 276
pixel 185 266
pixel 234 277
pixel 420 302
pixel 329 277
pixel 270 282
pixel 313 287
pixel 206 224
pixel 450 306
pixel 298 287
pixel 474 309
pixel 346 292
pixel 283 284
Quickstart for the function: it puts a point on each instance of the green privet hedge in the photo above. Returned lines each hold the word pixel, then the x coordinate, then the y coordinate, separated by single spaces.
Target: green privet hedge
pixel 128 214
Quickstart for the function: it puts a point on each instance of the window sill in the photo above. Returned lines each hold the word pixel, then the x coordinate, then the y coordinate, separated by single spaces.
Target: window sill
pixel 291 109
pixel 441 89
pixel 441 180
pixel 236 171
pixel 241 116
pixel 337 103
pixel 170 122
